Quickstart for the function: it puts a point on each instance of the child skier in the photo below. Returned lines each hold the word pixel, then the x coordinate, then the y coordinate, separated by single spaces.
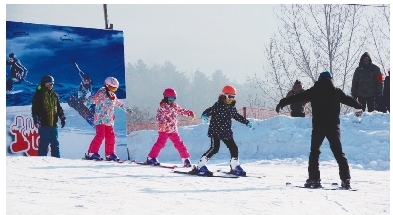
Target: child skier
pixel 167 128
pixel 221 114
pixel 104 118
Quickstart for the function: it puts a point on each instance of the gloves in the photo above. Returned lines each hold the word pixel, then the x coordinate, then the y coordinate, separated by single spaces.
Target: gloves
pixel 250 125
pixel 278 107
pixel 358 112
pixel 37 122
pixel 379 94
pixel 63 121
pixel 205 119
pixel 191 115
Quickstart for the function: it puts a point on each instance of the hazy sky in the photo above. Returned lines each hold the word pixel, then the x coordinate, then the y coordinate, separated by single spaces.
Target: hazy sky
pixel 192 37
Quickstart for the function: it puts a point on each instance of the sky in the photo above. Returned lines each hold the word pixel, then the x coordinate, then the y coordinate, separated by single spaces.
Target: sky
pixel 204 37
pixel 273 154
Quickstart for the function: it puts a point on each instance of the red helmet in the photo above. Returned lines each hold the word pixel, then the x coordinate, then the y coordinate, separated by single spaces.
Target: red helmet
pixel 228 89
pixel 169 92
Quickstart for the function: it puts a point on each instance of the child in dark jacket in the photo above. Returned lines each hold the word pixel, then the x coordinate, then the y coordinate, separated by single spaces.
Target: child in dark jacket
pixel 325 101
pixel 221 114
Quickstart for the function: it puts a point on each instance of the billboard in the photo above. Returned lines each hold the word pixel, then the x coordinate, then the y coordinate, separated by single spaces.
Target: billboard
pixel 79 60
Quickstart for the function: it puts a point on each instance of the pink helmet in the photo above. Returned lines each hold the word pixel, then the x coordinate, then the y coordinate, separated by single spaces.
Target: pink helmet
pixel 111 81
pixel 169 92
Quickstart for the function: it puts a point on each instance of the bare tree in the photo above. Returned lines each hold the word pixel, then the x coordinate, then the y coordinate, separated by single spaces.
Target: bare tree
pixel 310 40
pixel 378 26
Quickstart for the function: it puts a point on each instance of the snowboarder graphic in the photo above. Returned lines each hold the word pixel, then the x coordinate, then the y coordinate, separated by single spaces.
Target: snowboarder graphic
pixel 18 72
pixel 84 91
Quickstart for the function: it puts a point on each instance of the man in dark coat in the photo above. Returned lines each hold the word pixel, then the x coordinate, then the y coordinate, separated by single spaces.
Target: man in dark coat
pixel 367 83
pixel 46 110
pixel 325 101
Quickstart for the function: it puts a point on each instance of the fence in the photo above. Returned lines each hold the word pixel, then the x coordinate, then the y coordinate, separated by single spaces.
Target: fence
pixel 248 112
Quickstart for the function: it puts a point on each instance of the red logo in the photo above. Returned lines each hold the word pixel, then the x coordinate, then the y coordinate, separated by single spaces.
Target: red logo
pixel 26 136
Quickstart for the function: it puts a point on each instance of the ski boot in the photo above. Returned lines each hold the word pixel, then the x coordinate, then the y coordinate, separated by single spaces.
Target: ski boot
pixel 346 184
pixel 236 169
pixel 310 183
pixel 152 161
pixel 93 156
pixel 112 157
pixel 186 162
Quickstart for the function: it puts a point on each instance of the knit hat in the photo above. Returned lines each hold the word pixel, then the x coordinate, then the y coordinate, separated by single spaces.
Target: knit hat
pixel 325 74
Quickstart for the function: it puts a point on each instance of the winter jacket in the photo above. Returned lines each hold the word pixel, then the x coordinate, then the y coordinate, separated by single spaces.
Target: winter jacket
pixel 325 101
pixel 105 107
pixel 300 107
pixel 221 119
pixel 367 80
pixel 167 116
pixel 46 107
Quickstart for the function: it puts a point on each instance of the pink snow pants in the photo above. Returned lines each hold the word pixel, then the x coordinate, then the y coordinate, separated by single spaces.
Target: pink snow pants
pixel 161 141
pixel 103 132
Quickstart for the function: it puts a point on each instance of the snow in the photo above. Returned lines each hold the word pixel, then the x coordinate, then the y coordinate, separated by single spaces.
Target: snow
pixel 273 153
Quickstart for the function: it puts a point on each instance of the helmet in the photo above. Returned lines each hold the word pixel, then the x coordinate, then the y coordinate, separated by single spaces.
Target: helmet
pixel 169 92
pixel 112 82
pixel 11 55
pixel 228 89
pixel 47 79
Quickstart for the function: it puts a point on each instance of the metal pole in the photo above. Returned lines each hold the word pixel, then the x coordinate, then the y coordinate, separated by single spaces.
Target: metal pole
pixel 106 17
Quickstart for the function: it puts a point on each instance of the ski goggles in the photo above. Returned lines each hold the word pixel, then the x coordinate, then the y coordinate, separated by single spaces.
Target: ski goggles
pixel 230 96
pixel 112 89
pixel 49 83
pixel 171 99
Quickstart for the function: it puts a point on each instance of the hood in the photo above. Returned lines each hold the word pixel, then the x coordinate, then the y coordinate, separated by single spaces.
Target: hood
pixel 297 86
pixel 365 54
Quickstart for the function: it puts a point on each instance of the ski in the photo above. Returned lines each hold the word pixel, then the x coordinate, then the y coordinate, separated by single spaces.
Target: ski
pixel 245 175
pixel 102 159
pixel 147 164
pixel 323 188
pixel 204 175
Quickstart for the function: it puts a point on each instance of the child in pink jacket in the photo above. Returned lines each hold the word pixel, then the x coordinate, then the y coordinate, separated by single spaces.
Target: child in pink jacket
pixel 104 119
pixel 167 128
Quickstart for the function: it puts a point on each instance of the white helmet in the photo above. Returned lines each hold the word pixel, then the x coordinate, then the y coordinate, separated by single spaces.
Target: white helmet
pixel 111 81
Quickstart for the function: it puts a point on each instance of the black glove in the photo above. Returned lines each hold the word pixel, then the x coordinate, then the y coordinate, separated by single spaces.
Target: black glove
pixel 278 108
pixel 63 121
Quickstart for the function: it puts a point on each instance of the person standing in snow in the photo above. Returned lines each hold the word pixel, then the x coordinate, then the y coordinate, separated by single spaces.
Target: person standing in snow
pixel 297 109
pixel 325 101
pixel 46 110
pixel 167 128
pixel 367 83
pixel 104 119
pixel 221 114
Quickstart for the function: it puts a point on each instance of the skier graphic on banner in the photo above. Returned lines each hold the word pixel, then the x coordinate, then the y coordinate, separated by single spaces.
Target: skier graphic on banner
pixel 84 91
pixel 18 72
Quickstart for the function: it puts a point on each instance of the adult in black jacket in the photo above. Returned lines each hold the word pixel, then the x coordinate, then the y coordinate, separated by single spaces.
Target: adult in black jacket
pixel 325 102
pixel 220 128
pixel 46 110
